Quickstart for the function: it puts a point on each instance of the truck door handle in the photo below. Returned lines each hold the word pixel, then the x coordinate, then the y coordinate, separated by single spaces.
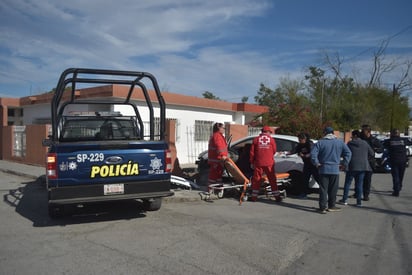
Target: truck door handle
pixel 113 160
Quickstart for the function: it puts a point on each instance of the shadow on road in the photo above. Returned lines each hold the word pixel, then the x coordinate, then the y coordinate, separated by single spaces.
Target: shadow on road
pixel 30 201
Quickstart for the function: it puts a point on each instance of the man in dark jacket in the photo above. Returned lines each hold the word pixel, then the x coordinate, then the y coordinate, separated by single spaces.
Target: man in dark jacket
pixel 303 149
pixel 358 166
pixel 397 158
pixel 377 147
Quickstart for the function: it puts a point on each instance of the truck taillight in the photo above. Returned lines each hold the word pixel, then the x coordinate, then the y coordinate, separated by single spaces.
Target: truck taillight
pixel 51 166
pixel 168 160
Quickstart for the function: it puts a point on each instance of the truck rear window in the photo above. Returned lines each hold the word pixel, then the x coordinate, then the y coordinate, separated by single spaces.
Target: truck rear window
pixel 98 128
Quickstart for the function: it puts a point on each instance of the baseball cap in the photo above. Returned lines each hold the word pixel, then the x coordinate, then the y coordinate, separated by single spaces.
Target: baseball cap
pixel 328 130
pixel 266 129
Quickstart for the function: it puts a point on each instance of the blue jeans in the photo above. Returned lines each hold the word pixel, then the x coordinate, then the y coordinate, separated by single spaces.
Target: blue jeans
pixel 358 176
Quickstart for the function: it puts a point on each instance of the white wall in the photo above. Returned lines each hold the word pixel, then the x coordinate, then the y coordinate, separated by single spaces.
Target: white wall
pixel 188 150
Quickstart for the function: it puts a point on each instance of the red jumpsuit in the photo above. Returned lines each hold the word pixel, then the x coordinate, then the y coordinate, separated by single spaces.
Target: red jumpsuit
pixel 262 154
pixel 217 150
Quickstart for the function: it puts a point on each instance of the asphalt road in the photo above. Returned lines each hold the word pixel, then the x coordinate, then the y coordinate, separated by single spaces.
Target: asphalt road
pixel 198 237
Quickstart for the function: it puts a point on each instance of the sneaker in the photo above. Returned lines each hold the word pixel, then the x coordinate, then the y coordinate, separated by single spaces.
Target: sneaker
pixel 358 205
pixel 343 202
pixel 322 211
pixel 366 198
pixel 334 209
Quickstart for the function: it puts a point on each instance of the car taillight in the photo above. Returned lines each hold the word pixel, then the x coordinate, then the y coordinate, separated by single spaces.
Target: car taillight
pixel 168 160
pixel 51 166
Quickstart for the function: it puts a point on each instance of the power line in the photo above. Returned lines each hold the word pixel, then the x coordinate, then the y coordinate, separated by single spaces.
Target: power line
pixel 388 39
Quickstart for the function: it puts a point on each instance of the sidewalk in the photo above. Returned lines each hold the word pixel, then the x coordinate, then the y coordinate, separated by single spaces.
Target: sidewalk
pixel 37 172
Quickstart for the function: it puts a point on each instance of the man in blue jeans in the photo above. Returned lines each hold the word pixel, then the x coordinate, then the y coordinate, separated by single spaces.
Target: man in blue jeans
pixel 326 155
pixel 358 166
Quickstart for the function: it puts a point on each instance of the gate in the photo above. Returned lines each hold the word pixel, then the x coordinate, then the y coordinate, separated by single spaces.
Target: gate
pixel 197 142
pixel 19 144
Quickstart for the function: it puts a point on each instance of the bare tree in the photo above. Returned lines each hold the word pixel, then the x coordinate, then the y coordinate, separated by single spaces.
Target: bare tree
pixel 334 64
pixel 380 68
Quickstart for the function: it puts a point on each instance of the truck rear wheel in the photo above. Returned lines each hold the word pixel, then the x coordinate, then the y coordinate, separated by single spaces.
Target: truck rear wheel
pixel 152 204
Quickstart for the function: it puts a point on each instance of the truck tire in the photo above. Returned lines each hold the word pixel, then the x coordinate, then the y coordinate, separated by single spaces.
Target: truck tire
pixel 152 204
pixel 56 211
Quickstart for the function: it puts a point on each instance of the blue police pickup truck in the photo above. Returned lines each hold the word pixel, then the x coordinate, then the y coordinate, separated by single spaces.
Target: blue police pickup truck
pixel 100 149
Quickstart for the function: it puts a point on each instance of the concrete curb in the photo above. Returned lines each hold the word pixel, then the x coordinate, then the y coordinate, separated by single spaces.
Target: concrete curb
pixel 20 174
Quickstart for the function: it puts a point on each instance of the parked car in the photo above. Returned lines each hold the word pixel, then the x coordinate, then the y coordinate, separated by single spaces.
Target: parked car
pixel 284 161
pixel 408 143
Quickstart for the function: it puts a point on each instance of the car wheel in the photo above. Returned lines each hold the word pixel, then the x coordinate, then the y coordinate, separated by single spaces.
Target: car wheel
pixel 152 204
pixel 296 183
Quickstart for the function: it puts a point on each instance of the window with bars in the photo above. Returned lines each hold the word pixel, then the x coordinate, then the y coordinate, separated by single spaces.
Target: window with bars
pixel 203 130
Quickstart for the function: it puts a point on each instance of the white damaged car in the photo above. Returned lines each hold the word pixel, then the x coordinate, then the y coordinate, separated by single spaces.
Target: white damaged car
pixel 284 161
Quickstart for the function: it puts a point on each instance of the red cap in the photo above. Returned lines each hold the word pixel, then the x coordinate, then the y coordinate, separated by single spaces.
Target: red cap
pixel 266 129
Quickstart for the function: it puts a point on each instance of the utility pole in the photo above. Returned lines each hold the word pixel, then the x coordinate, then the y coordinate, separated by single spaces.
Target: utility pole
pixel 321 102
pixel 393 105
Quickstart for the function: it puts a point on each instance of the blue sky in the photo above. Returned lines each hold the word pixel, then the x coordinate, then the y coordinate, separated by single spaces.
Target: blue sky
pixel 224 47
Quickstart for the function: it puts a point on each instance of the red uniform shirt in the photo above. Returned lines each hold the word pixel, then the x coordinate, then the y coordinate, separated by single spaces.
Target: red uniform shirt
pixel 262 150
pixel 217 147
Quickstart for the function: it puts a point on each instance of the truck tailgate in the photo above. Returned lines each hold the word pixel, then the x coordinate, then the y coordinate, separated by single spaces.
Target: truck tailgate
pixel 108 162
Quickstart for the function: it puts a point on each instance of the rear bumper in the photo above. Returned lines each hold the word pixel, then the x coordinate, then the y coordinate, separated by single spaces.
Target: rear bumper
pixel 95 192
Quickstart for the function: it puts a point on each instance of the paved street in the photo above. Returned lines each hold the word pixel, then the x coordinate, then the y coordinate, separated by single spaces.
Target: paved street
pixel 198 237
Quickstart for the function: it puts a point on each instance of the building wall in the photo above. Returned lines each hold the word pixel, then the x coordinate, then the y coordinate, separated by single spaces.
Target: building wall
pixel 35 151
pixel 7 141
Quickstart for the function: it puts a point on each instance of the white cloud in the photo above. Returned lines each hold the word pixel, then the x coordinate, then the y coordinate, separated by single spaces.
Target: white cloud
pixel 190 45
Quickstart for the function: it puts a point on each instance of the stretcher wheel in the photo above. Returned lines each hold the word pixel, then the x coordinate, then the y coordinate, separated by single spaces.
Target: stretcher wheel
pixel 220 193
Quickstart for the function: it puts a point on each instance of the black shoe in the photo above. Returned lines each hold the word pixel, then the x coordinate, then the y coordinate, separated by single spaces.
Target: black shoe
pixel 366 198
pixel 395 194
pixel 322 211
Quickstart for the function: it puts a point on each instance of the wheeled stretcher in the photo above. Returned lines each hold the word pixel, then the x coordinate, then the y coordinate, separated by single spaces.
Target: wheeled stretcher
pixel 243 185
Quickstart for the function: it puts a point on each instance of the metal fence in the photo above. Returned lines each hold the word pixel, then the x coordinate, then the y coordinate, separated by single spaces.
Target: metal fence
pixel 252 131
pixel 19 144
pixel 195 145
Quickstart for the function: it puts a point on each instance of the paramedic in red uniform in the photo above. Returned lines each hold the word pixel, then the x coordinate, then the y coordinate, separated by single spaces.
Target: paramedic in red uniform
pixel 217 154
pixel 262 160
